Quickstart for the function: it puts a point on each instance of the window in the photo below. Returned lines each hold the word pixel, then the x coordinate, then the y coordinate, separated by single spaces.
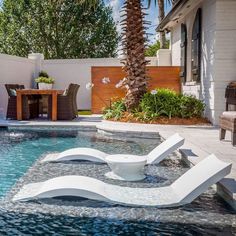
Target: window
pixel 183 58
pixel 196 47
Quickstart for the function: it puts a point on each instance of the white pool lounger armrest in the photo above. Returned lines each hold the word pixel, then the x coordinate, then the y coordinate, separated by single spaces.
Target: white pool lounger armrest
pixel 183 191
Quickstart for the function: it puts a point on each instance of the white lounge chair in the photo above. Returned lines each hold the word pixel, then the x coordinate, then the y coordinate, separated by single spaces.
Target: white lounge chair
pixel 183 191
pixel 89 154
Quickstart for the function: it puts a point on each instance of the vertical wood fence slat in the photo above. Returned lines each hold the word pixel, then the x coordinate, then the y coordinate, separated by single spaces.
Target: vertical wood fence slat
pixel 160 77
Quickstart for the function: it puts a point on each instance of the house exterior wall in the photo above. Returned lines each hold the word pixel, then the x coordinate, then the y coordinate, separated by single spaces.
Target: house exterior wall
pixel 175 45
pixel 218 60
pixel 206 88
pixel 14 70
pixel 225 52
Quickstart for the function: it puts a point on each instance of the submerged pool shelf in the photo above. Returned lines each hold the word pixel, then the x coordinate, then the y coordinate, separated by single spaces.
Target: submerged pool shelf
pixel 31 143
pixel 225 189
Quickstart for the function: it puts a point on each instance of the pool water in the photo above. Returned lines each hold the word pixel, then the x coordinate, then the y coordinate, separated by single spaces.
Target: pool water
pixel 20 154
pixel 20 148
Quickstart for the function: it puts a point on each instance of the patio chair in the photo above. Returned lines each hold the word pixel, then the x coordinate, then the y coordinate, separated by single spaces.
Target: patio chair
pixel 228 122
pixel 227 119
pixel 75 107
pixel 29 105
pixel 66 104
pixel 182 191
pixel 89 154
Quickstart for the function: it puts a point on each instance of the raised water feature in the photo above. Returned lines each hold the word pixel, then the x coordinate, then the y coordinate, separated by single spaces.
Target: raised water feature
pixel 73 216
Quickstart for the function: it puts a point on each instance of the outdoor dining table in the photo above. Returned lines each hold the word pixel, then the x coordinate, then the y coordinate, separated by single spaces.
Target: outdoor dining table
pixel 52 92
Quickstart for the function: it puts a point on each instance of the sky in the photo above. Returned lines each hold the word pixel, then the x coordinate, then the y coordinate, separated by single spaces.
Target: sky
pixel 152 16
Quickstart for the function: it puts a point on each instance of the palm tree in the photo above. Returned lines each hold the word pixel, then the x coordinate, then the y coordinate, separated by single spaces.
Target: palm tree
pixel 161 14
pixel 133 41
pixel 134 53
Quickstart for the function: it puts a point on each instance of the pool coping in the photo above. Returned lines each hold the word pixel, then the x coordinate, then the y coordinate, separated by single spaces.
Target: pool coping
pixel 225 188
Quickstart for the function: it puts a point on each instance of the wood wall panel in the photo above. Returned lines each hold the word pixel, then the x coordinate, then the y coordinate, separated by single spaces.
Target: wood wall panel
pixel 160 77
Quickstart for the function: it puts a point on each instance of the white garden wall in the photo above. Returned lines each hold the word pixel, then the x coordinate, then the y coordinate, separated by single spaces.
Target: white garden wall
pixel 79 71
pixel 14 70
pixel 76 71
pixel 23 71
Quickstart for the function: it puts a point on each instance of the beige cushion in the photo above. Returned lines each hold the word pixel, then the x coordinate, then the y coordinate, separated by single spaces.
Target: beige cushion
pixel 13 92
pixel 65 92
pixel 231 115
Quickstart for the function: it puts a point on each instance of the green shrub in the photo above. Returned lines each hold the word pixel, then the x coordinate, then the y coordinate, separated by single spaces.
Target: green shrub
pixel 46 80
pixel 115 111
pixel 190 107
pixel 160 102
pixel 168 103
pixel 43 74
pixel 163 103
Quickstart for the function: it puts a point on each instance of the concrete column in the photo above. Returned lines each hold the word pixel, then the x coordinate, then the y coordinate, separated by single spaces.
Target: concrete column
pixel 38 60
pixel 164 57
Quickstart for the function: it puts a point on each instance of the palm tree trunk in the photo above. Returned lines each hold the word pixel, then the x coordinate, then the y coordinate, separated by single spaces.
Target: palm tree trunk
pixel 134 48
pixel 161 10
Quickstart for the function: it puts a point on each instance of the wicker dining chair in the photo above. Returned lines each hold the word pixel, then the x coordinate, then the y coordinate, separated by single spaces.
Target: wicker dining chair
pixel 29 105
pixel 75 92
pixel 11 107
pixel 66 104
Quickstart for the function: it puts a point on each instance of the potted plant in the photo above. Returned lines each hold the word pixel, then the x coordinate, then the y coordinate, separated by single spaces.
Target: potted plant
pixel 44 81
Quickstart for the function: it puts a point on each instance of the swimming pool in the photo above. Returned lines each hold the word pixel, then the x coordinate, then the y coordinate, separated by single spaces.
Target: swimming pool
pixel 21 150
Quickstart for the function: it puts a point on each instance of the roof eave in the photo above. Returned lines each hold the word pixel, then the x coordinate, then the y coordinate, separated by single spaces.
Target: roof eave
pixel 170 15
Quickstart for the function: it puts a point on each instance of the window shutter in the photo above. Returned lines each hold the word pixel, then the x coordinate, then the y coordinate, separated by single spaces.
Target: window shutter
pixel 196 47
pixel 183 48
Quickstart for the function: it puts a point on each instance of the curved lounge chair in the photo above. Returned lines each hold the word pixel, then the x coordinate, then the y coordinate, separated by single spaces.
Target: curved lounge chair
pixel 183 191
pixel 89 154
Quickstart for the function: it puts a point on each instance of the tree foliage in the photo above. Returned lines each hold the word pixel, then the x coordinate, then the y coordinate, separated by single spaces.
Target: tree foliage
pixel 151 50
pixel 133 42
pixel 161 15
pixel 58 29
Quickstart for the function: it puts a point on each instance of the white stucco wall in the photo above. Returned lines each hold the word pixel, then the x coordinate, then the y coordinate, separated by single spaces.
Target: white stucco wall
pixel 23 71
pixel 76 71
pixel 175 45
pixel 218 66
pixel 206 90
pixel 14 70
pixel 188 20
pixel 164 57
pixel 225 51
pixel 218 53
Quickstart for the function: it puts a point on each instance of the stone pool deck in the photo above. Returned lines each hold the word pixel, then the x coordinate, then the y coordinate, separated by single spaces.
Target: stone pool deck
pixel 200 141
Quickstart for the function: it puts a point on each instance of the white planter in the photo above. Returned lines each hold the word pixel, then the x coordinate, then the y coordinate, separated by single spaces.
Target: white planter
pixel 44 86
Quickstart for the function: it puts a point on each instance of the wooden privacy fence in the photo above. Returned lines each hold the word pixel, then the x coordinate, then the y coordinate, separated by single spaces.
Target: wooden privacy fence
pixel 102 94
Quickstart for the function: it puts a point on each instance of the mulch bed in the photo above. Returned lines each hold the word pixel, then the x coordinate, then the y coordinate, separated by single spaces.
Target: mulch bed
pixel 128 118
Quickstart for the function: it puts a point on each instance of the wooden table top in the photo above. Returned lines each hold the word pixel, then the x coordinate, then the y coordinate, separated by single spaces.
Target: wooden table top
pixel 38 91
